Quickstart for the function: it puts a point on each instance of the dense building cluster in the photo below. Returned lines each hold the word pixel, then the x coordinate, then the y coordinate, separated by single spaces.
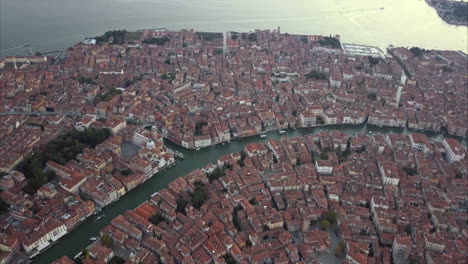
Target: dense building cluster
pixel 199 89
pixel 203 89
pixel 31 222
pixel 356 199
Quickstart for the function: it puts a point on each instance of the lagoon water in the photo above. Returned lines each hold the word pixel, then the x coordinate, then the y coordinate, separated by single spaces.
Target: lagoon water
pixel 56 24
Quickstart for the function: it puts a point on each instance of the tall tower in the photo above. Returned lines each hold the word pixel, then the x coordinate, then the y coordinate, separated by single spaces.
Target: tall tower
pixel 401 249
pixel 279 30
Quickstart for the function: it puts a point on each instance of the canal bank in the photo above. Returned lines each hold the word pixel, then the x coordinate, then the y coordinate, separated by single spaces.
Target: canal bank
pixel 72 243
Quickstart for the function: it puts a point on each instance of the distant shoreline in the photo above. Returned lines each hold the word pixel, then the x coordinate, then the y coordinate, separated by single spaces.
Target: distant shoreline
pixel 450 19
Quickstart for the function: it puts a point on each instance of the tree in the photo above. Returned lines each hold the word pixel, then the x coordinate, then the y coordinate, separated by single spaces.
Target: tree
pixel 114 37
pixel 330 41
pixel 199 127
pixel 157 218
pixel 252 37
pixel 343 155
pixel 324 224
pixel 158 41
pixel 85 253
pixel 209 35
pixel 275 159
pixel 248 243
pixel 383 101
pixel 340 248
pixel 408 229
pixel 3 206
pixel 229 259
pixel 243 154
pixel 86 80
pixel 199 197
pixel 106 241
pixel 410 171
pixel 316 75
pixel 459 10
pixel 331 216
pixel 107 96
pixel 217 51
pixel 323 155
pixel 125 172
pixel 116 260
pixel 253 201
pixel 320 120
pixel 167 76
pixel 181 204
pixel 372 96
pixel 218 172
pixel 236 220
pixel 418 52
pixel 373 61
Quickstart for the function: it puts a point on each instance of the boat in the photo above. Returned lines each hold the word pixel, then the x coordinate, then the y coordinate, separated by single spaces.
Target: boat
pixel 93 238
pixel 263 136
pixel 370 132
pixel 282 132
pixel 77 255
pixel 178 154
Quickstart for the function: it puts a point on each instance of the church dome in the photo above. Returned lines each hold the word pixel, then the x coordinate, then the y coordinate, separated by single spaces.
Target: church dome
pixel 150 144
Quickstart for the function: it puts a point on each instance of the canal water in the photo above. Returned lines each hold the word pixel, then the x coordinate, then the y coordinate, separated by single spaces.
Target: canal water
pixel 78 239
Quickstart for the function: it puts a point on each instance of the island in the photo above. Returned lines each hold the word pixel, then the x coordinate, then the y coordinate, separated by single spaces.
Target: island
pixel 451 11
pixel 81 129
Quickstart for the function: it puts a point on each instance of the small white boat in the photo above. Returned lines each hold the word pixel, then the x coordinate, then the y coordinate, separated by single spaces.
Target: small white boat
pixel 77 255
pixel 263 136
pixel 282 132
pixel 198 148
pixel 93 238
pixel 370 132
